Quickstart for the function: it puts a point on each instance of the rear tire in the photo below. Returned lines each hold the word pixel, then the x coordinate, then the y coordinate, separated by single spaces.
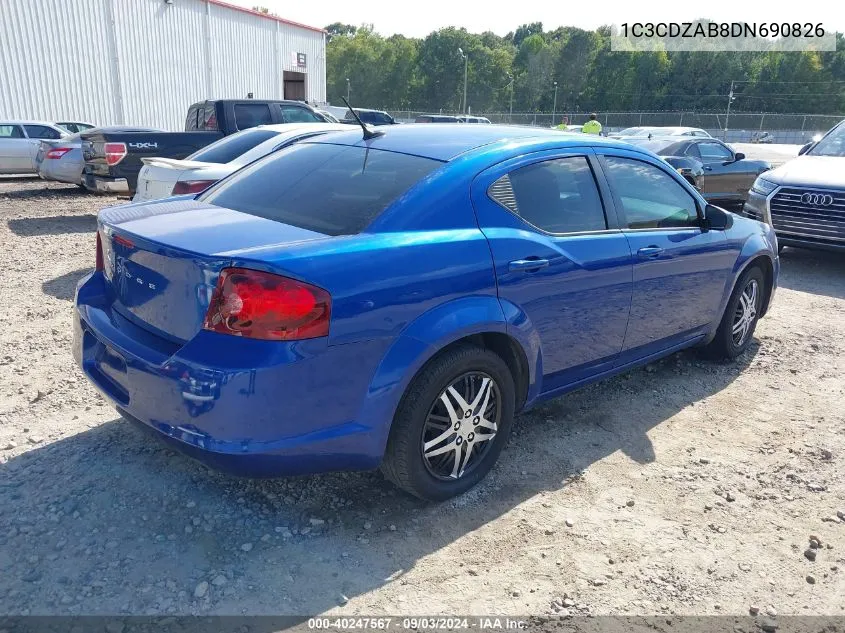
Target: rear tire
pixel 433 427
pixel 740 318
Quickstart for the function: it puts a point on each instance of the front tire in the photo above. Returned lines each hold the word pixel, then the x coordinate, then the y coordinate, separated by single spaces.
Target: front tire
pixel 740 318
pixel 452 424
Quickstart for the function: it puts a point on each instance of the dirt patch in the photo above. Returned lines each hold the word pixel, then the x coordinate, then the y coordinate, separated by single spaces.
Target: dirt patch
pixel 689 487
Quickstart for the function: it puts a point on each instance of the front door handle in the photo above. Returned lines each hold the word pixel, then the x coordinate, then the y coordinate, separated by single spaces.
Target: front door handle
pixel 708 168
pixel 650 252
pixel 530 264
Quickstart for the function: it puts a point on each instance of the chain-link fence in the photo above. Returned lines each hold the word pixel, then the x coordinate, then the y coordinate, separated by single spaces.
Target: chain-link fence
pixel 736 127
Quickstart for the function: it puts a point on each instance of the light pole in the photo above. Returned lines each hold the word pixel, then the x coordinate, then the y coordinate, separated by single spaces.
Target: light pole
pixel 554 107
pixel 510 114
pixel 466 64
pixel 728 113
pixel 347 88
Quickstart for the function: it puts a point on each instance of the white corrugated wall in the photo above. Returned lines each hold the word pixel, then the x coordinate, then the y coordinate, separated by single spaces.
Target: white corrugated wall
pixel 143 62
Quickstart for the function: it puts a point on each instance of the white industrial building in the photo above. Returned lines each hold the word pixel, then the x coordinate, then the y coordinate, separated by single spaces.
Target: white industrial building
pixel 143 62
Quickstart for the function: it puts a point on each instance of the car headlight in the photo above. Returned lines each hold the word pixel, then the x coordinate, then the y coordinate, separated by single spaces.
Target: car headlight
pixel 763 187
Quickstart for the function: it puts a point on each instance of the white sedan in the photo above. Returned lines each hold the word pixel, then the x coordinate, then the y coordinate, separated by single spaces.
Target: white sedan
pixel 164 177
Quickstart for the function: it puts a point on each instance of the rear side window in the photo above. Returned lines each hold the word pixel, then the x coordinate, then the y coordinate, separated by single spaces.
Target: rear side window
pixel 41 131
pixel 230 147
pixel 423 119
pixel 331 189
pixel 249 115
pixel 11 131
pixel 299 115
pixel 650 198
pixel 556 196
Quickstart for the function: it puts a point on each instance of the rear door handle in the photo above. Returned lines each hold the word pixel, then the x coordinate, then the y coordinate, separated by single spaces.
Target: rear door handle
pixel 708 168
pixel 649 252
pixel 529 264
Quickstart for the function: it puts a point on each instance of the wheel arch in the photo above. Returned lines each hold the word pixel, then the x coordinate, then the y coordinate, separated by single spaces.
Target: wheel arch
pixel 478 321
pixel 756 252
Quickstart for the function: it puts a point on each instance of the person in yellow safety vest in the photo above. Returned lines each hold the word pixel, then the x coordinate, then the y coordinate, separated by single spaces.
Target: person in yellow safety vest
pixel 592 126
pixel 564 124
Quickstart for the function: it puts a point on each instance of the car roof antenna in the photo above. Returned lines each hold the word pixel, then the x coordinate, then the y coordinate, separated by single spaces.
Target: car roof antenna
pixel 368 131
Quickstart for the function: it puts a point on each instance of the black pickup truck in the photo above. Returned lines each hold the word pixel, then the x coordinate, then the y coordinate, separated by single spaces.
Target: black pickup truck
pixel 113 160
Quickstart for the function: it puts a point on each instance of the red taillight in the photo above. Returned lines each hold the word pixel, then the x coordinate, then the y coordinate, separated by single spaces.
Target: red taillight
pixel 98 265
pixel 119 239
pixel 57 152
pixel 260 305
pixel 115 152
pixel 191 186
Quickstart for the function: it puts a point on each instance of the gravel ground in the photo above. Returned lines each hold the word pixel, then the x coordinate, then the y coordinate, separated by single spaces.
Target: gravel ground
pixel 687 487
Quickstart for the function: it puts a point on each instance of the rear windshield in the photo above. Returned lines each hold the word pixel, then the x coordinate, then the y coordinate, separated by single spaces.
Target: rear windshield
pixel 229 148
pixel 331 189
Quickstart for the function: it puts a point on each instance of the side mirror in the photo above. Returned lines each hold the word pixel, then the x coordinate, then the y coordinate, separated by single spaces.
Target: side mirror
pixel 716 219
pixel 805 148
pixel 739 156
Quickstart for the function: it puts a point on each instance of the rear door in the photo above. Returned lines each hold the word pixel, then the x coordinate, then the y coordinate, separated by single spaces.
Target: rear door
pixel 14 150
pixel 680 271
pixel 559 257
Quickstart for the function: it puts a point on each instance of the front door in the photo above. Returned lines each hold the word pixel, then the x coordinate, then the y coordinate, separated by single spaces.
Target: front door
pixel 680 271
pixel 559 258
pixel 14 150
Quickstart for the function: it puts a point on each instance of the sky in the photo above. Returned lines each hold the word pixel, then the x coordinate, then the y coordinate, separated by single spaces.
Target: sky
pixel 418 18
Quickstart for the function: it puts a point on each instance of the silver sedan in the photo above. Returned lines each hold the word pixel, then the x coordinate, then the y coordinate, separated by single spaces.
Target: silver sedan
pixel 61 160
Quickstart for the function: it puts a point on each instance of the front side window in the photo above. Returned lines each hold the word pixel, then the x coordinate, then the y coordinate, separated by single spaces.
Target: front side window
pixel 557 196
pixel 650 198
pixel 330 189
pixel 714 152
pixel 293 114
pixel 249 115
pixel 41 131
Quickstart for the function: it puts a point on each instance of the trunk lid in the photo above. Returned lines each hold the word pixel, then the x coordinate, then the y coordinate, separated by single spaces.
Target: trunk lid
pixel 162 260
pixel 159 175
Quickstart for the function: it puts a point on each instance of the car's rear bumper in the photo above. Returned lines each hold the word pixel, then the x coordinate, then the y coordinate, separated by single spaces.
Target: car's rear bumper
pixel 48 170
pixel 250 408
pixel 105 184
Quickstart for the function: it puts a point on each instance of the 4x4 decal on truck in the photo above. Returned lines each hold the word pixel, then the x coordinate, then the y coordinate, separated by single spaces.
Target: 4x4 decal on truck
pixel 143 145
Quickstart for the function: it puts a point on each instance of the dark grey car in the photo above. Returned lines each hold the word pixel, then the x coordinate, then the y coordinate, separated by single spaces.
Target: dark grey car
pixel 804 199
pixel 726 175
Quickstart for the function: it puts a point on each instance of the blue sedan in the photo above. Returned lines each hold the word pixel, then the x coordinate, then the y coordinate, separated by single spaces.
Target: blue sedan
pixel 393 299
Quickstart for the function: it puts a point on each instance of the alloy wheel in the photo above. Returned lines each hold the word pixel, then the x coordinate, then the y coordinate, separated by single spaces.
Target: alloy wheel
pixel 461 425
pixel 745 313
